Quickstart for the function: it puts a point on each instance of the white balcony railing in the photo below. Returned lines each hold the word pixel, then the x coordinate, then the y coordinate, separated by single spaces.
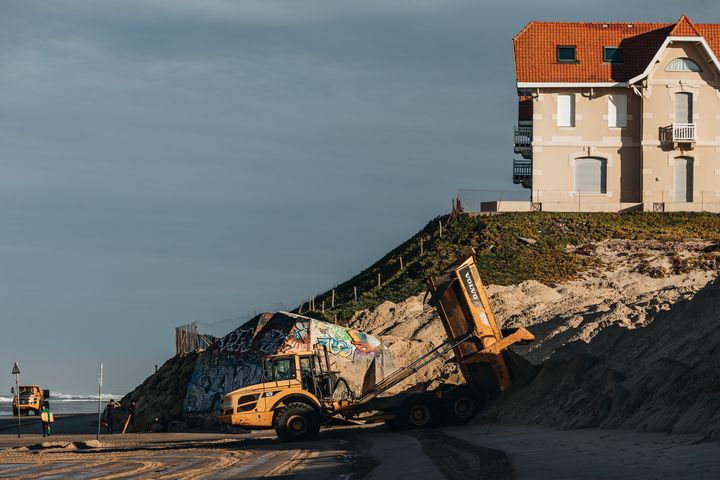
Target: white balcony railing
pixel 523 136
pixel 683 132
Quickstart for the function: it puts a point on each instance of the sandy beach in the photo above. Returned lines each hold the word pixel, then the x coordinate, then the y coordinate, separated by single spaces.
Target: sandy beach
pixel 370 452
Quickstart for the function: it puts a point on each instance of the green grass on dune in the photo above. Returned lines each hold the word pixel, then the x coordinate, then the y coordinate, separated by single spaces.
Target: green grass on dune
pixel 502 257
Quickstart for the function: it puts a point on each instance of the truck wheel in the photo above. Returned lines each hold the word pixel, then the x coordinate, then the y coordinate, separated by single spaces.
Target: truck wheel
pixel 297 421
pixel 417 411
pixel 15 412
pixel 461 404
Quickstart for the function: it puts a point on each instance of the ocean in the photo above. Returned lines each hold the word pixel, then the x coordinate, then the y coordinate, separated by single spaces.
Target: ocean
pixel 61 403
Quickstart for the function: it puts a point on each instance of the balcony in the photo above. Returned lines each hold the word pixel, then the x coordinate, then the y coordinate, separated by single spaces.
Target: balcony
pixel 683 132
pixel 678 133
pixel 523 141
pixel 522 172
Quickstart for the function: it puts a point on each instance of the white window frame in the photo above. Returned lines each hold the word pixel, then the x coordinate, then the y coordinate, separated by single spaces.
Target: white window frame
pixel 617 110
pixel 683 64
pixel 566 110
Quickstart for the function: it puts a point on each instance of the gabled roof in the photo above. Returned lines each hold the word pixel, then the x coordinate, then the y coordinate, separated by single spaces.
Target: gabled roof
pixel 536 49
pixel 684 28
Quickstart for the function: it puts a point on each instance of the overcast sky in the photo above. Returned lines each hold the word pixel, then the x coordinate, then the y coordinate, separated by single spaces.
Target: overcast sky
pixel 166 161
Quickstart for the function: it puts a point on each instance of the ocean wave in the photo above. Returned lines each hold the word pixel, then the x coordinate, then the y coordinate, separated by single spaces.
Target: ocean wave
pixel 71 397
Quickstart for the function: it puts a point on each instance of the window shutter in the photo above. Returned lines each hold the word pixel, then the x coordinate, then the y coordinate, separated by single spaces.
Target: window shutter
pixel 590 175
pixel 566 110
pixel 683 107
pixel 617 110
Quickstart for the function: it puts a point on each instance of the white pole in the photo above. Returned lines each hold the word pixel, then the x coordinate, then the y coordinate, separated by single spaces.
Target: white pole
pixel 17 392
pixel 99 400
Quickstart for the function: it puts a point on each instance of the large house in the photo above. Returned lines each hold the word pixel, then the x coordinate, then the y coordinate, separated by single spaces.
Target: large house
pixel 617 116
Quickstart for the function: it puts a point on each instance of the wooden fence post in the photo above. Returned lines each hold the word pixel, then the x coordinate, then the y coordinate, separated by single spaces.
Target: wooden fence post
pixel 401 264
pixel 378 279
pixel 421 245
pixel 440 225
pixel 323 307
pixel 332 301
pixel 355 292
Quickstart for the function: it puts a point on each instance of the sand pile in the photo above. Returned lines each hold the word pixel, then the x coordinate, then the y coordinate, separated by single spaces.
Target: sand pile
pixel 408 330
pixel 160 397
pixel 631 344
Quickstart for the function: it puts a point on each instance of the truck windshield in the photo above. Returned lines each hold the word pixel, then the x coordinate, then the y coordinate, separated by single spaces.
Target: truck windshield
pixel 279 369
pixel 26 390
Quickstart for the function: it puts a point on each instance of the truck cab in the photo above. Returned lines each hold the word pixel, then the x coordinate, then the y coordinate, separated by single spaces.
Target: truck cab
pixel 31 400
pixel 289 383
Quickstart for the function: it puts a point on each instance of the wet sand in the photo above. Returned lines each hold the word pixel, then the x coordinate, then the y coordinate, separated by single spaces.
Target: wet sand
pixel 369 452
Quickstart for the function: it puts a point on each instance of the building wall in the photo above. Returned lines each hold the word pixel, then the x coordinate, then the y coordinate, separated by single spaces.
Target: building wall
pixel 555 148
pixel 659 112
pixel 640 169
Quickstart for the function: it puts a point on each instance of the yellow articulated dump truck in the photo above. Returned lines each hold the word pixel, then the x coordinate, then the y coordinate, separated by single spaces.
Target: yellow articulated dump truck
pixel 31 400
pixel 300 392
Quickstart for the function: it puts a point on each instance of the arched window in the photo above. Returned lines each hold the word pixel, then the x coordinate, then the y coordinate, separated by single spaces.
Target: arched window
pixel 683 65
pixel 590 175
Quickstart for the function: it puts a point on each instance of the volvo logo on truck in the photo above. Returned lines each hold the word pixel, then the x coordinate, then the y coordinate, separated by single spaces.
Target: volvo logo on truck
pixel 470 287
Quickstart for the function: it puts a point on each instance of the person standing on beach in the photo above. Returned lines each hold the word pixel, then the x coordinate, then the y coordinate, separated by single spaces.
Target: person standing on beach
pixel 46 418
pixel 110 415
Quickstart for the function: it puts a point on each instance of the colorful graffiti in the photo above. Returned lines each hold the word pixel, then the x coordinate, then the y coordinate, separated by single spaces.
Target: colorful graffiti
pixel 365 343
pixel 298 340
pixel 344 342
pixel 237 360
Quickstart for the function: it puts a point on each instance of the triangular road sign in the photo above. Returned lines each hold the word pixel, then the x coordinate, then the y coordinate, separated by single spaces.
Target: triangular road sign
pixel 16 369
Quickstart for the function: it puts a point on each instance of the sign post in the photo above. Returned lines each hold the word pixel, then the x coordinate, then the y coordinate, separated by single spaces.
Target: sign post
pixel 16 372
pixel 99 401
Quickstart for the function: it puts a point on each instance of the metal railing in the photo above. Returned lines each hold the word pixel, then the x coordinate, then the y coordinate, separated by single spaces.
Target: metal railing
pixel 521 169
pixel 523 136
pixel 683 132
pixel 476 201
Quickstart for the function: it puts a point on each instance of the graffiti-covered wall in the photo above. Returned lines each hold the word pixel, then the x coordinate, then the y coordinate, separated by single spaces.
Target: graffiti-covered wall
pixel 235 360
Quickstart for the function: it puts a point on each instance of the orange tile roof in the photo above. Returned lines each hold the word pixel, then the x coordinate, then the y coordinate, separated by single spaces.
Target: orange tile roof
pixel 536 48
pixel 684 28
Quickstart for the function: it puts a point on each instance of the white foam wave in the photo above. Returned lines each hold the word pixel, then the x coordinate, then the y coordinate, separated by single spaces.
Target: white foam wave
pixel 71 397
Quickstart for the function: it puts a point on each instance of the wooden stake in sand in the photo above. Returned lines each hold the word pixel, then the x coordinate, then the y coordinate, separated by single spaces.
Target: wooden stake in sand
pixel 421 246
pixel 379 280
pixel 332 301
pixel 440 225
pixel 401 264
pixel 355 293
pixel 126 424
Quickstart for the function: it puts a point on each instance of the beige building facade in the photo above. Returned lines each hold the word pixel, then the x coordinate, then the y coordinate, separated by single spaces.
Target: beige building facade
pixel 627 121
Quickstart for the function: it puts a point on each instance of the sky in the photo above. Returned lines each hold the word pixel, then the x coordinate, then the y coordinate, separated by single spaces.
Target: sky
pixel 170 161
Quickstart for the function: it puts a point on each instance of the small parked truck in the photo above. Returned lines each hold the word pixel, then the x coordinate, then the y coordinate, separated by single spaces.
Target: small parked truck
pixel 300 392
pixel 31 400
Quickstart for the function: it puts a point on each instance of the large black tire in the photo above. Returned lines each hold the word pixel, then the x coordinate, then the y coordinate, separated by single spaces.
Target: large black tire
pixel 461 404
pixel 15 412
pixel 416 411
pixel 296 421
